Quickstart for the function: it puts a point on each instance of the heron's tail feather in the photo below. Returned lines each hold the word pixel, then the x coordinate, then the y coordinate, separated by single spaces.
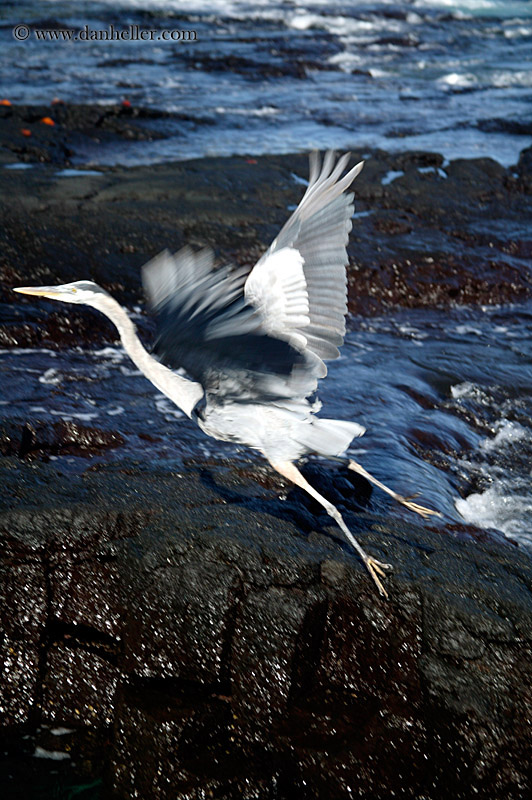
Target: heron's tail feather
pixel 328 437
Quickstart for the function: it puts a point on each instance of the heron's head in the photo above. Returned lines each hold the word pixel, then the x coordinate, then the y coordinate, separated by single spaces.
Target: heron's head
pixel 85 292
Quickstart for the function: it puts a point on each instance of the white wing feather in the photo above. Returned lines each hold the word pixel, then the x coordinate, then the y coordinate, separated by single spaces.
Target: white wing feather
pixel 277 287
pixel 299 285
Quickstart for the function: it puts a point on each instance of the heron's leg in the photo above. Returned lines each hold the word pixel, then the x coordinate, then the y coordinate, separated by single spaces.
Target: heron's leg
pixel 374 567
pixel 406 501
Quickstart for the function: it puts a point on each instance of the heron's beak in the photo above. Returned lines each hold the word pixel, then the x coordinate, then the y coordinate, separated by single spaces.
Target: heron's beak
pixel 41 291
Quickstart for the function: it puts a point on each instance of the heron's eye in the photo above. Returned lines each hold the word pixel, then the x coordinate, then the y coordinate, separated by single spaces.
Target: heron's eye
pixel 73 290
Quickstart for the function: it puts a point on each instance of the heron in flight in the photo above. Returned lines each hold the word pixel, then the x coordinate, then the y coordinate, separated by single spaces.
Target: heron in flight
pixel 254 346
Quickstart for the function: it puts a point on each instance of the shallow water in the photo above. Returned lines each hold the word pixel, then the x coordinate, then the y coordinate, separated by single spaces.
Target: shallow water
pixel 445 397
pixel 450 77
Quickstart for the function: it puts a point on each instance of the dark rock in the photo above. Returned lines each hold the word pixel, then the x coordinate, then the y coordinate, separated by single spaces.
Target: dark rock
pixel 258 70
pixel 444 236
pixel 398 41
pixel 436 237
pixel 518 127
pixel 196 636
pixel 43 439
pixel 24 133
pixel 524 165
pixel 214 651
pixel 524 170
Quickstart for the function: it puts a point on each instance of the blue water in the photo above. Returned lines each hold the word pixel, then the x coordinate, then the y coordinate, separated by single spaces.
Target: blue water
pixel 274 77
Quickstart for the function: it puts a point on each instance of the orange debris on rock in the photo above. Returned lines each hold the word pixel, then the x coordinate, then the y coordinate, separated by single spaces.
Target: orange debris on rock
pixel 5 102
pixel 47 121
pixel 25 131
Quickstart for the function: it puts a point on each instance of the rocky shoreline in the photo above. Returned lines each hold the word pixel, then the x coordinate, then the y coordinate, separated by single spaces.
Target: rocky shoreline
pixel 182 633
pixel 424 233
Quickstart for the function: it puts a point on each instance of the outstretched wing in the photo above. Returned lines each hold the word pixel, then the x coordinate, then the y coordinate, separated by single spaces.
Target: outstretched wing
pixel 207 326
pixel 266 337
pixel 299 285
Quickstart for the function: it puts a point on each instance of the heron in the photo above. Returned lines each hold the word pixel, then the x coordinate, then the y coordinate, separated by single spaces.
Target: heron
pixel 254 346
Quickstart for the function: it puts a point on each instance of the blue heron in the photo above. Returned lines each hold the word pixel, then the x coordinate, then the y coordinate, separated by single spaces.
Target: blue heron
pixel 254 345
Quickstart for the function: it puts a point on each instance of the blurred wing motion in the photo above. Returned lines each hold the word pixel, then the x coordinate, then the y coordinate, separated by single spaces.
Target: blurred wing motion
pixel 206 326
pixel 266 337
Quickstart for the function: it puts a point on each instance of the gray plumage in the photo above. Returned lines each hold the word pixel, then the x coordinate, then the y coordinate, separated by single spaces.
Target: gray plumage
pixel 261 341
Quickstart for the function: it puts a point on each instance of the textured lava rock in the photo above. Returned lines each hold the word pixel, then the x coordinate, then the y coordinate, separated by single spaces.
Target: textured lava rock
pixel 189 635
pixel 220 650
pixel 45 439
pixel 31 140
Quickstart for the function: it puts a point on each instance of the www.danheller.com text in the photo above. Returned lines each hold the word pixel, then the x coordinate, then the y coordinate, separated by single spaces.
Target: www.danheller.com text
pixel 129 33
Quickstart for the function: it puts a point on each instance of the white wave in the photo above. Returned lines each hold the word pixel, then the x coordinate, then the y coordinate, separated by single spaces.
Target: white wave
pixel 129 371
pixel 264 111
pixel 114 411
pixel 114 353
pixel 412 332
pixel 457 80
pixel 375 72
pixel 302 21
pixel 465 389
pixel 487 8
pixel 506 78
pixel 346 60
pixel 68 416
pixel 339 26
pixel 167 408
pixel 464 330
pixel 23 351
pixel 514 33
pixel 51 376
pixel 507 434
pixel 495 508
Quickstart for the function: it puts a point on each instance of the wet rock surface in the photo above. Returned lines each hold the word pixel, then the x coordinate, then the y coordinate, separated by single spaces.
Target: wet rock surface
pixel 191 634
pixel 54 133
pixel 425 233
pixel 186 634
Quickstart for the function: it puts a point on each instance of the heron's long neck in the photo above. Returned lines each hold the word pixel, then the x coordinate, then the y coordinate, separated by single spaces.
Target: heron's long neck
pixel 183 392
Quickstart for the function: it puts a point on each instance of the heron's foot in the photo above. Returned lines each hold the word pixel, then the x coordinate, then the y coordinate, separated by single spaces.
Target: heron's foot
pixel 377 570
pixel 406 501
pixel 416 507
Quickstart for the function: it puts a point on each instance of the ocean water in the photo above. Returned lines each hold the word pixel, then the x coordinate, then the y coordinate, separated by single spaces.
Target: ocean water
pixel 289 75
